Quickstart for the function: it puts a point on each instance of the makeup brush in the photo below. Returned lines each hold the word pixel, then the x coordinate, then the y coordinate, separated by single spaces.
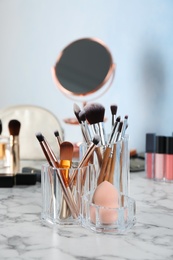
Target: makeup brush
pixel 118 137
pixel 124 127
pixel 86 156
pixel 63 182
pixel 14 129
pixel 114 112
pixel 114 131
pixel 66 155
pixel 82 117
pixel 95 116
pixel 58 138
pixel 77 110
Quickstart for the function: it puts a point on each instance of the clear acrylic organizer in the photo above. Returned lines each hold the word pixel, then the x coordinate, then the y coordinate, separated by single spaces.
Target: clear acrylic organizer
pixel 55 210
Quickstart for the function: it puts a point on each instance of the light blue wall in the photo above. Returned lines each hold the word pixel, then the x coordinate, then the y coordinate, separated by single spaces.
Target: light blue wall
pixel 138 33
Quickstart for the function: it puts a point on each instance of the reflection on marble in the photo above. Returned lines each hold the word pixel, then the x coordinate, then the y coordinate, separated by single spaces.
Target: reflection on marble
pixel 22 236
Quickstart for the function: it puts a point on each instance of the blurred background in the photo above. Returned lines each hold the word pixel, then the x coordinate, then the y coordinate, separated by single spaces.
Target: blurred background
pixel 139 35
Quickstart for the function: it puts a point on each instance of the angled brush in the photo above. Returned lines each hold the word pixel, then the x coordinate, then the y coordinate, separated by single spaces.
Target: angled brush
pixel 95 116
pixel 14 129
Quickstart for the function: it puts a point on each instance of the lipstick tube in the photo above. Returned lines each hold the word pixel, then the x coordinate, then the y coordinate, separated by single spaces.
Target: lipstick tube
pixel 150 147
pixel 169 159
pixel 159 173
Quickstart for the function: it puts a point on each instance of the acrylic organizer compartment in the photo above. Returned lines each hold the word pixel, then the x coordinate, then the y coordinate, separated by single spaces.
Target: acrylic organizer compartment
pixel 111 220
pixel 55 209
pixel 112 164
pixel 119 214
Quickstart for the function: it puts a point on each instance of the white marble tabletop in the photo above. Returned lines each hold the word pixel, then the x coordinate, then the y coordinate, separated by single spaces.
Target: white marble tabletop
pixel 22 236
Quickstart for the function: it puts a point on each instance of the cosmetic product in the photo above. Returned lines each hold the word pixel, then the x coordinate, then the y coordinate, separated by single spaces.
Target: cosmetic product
pixel 159 168
pixel 150 149
pixel 7 180
pixel 107 197
pixel 14 129
pixel 169 159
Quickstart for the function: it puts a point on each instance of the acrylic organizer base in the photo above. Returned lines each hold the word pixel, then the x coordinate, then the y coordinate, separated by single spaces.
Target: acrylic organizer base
pixel 55 209
pixel 108 220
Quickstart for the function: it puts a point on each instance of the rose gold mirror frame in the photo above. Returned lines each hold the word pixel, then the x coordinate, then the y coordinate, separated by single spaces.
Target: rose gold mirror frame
pixel 110 73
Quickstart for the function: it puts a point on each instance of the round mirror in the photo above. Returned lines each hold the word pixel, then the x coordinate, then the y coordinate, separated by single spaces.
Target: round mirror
pixel 83 68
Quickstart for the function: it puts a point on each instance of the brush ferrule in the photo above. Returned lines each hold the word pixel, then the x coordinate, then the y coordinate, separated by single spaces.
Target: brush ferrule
pixel 113 133
pixel 102 133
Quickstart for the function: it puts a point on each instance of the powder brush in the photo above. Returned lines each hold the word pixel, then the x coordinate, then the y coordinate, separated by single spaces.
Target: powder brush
pixel 95 116
pixel 14 129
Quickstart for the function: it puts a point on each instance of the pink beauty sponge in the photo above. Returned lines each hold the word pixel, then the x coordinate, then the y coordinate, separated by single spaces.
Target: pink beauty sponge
pixel 106 196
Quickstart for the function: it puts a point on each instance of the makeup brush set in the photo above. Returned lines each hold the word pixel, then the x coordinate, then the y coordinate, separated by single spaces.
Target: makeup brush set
pixel 68 190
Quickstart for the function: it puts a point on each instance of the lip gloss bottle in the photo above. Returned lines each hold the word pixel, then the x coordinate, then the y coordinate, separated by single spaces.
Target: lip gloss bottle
pixel 150 155
pixel 160 158
pixel 169 159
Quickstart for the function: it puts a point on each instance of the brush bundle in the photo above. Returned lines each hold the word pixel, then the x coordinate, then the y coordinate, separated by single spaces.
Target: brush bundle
pixel 111 154
pixel 63 184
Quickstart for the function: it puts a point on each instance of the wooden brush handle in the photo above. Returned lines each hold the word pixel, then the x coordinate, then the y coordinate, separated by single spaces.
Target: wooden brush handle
pixel 113 161
pixel 104 165
pixel 107 172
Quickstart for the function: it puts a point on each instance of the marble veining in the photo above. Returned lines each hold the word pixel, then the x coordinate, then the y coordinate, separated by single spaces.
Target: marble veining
pixel 22 235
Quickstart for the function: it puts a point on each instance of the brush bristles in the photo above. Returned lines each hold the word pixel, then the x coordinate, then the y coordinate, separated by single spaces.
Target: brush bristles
pixel 82 116
pixel 120 126
pixel 14 127
pixel 113 109
pixel 40 137
pixel 94 113
pixel 56 133
pixel 77 110
pixel 96 139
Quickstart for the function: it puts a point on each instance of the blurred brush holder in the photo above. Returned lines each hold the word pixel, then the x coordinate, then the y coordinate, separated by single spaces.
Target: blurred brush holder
pixel 55 210
pixel 108 220
pixel 112 164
